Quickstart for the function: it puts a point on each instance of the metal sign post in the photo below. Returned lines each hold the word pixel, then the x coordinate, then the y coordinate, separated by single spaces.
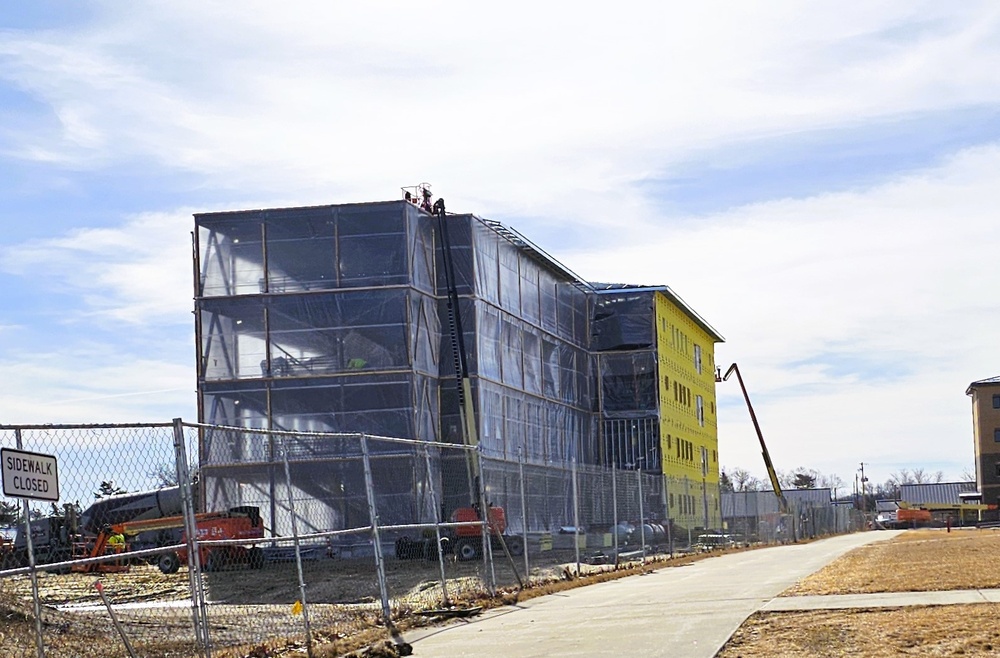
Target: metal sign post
pixel 30 475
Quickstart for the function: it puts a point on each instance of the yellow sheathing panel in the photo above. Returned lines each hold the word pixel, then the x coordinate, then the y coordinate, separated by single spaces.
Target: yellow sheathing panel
pixel 689 438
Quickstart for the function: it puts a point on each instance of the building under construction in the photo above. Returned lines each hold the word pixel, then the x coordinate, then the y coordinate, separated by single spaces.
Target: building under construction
pixel 336 319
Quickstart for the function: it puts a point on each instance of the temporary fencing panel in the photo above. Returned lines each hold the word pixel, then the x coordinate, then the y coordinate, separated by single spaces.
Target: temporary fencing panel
pixel 108 474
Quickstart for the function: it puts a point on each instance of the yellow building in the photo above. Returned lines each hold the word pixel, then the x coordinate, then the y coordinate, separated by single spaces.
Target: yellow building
pixel 689 437
pixel 656 365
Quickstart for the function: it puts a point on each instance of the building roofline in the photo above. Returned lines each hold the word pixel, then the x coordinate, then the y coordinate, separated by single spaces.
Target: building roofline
pixel 250 211
pixel 522 243
pixel 983 382
pixel 535 252
pixel 613 289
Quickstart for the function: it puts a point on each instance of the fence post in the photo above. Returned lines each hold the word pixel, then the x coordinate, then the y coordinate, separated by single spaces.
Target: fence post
pixel 687 495
pixel 642 522
pixel 199 609
pixel 576 519
pixel 295 541
pixel 376 538
pixel 614 506
pixel 437 525
pixel 487 540
pixel 524 515
pixel 666 515
pixel 30 548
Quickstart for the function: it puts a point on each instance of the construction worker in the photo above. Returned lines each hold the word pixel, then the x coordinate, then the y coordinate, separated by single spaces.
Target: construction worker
pixel 116 541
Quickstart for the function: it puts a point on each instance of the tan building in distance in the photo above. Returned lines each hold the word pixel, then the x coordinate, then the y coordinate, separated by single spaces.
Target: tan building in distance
pixel 985 395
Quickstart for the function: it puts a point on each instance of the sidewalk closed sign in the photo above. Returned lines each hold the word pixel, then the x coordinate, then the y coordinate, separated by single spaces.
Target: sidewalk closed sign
pixel 29 475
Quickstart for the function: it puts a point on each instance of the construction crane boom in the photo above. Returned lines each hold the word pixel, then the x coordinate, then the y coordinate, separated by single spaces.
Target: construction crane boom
pixel 771 473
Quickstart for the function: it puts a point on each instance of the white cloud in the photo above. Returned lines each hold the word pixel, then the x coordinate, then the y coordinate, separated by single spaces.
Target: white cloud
pixel 138 273
pixel 857 318
pixel 116 344
pixel 544 106
pixel 98 384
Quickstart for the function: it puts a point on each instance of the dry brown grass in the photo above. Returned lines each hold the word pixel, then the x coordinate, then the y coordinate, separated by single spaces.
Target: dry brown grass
pixel 956 630
pixel 917 561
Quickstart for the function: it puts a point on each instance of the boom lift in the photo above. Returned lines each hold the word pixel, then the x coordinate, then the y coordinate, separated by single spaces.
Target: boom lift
pixel 771 474
pixel 468 538
pixel 237 523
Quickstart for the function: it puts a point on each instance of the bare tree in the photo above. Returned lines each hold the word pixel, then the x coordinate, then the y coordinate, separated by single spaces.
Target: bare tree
pixel 742 480
pixel 901 477
pixel 969 475
pixel 804 479
pixel 786 479
pixel 165 475
pixel 833 482
pixel 830 481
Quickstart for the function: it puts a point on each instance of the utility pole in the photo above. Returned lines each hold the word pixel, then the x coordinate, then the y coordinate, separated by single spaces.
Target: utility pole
pixel 864 502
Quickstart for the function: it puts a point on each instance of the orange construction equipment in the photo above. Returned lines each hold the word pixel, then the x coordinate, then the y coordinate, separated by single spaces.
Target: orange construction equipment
pixel 469 538
pixel 237 523
pixel 913 516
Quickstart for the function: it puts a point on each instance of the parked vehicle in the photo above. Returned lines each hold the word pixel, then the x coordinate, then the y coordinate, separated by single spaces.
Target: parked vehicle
pixel 715 542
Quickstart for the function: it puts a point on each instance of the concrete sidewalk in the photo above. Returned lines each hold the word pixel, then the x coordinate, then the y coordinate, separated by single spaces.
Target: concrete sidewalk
pixel 881 600
pixel 682 612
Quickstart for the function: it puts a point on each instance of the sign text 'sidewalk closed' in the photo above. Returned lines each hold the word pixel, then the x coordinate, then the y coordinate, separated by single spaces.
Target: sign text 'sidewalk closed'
pixel 29 475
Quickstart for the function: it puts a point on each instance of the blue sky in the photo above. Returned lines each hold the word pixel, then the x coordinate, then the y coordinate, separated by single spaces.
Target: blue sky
pixel 833 159
pixel 818 181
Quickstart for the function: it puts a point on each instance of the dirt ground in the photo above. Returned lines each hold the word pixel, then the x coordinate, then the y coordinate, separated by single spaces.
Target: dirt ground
pixel 251 611
pixel 916 561
pixel 920 560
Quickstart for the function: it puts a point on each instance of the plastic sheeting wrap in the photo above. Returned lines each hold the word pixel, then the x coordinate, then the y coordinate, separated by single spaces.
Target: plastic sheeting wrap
pixel 318 248
pixel 341 327
pixel 548 496
pixel 326 480
pixel 628 383
pixel 623 320
pixel 335 319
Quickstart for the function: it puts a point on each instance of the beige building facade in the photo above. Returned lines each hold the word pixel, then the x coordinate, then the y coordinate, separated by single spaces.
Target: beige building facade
pixel 985 396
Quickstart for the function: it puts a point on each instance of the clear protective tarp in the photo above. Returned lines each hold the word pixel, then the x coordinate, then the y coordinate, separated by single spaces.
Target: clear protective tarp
pixel 336 319
pixel 622 320
pixel 628 383
pixel 317 248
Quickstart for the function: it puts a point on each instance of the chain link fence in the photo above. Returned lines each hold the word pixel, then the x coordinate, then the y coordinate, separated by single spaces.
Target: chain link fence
pixel 756 517
pixel 182 539
pixel 63 566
